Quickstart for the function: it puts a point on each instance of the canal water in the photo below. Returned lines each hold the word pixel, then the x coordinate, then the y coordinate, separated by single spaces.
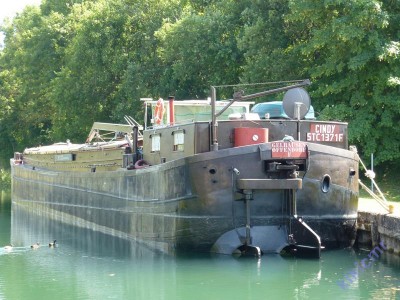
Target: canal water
pixel 86 265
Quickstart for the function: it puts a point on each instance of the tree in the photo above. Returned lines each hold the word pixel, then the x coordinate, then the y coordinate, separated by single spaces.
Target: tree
pixel 91 70
pixel 351 51
pixel 200 49
pixel 266 42
pixel 72 62
pixel 28 62
pixel 109 64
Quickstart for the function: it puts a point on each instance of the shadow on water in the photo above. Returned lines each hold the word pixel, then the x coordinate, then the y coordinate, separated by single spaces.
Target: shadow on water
pixel 5 211
pixel 91 265
pixel 28 229
pixel 153 275
pixel 5 201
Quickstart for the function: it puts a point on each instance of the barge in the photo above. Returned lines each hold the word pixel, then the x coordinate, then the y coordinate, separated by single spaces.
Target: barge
pixel 204 176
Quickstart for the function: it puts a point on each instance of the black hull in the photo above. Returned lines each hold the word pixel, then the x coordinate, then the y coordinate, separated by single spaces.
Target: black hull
pixel 192 204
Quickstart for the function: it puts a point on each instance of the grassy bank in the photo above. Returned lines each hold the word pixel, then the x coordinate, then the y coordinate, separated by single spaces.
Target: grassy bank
pixel 387 181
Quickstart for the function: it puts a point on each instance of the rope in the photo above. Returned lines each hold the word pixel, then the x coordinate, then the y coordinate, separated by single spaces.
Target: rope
pixel 258 83
pixel 381 198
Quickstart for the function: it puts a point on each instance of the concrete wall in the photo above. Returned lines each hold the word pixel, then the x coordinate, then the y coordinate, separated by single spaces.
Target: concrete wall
pixel 376 227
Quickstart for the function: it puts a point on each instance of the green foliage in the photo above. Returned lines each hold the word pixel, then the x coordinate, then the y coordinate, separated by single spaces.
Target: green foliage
pixel 109 64
pixel 72 62
pixel 27 64
pixel 144 69
pixel 266 43
pixel 91 68
pixel 63 7
pixel 200 49
pixel 5 179
pixel 349 53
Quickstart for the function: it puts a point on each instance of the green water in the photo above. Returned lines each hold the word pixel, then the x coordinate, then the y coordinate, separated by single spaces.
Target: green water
pixel 101 268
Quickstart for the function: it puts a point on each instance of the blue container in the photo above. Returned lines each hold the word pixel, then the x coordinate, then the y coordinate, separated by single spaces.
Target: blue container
pixel 275 111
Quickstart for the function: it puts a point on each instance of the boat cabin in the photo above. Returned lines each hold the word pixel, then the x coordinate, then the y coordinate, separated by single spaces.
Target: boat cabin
pixel 185 128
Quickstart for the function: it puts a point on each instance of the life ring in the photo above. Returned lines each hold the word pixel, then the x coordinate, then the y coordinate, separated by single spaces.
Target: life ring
pixel 141 163
pixel 159 111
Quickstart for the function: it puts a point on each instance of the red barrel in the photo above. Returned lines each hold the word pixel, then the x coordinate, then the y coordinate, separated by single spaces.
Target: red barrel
pixel 250 136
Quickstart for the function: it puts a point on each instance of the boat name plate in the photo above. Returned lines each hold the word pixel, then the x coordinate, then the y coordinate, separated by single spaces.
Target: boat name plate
pixel 289 150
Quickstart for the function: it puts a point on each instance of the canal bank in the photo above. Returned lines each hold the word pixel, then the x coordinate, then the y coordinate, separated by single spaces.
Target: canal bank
pixel 376 225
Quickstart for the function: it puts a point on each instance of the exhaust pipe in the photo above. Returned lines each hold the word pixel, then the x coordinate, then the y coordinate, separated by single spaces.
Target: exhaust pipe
pixel 171 110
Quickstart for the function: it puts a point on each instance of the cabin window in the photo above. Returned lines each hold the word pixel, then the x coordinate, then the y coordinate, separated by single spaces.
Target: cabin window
pixel 155 142
pixel 64 157
pixel 179 140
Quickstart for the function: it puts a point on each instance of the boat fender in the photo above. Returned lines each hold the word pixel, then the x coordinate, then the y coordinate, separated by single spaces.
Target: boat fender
pixel 141 163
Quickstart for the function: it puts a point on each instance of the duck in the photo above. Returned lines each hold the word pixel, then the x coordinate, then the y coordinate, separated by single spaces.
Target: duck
pixel 35 246
pixel 52 244
pixel 8 247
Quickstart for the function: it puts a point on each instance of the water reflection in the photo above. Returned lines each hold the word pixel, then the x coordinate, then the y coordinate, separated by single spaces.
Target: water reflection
pixel 5 200
pixel 28 228
pixel 5 208
pixel 91 265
